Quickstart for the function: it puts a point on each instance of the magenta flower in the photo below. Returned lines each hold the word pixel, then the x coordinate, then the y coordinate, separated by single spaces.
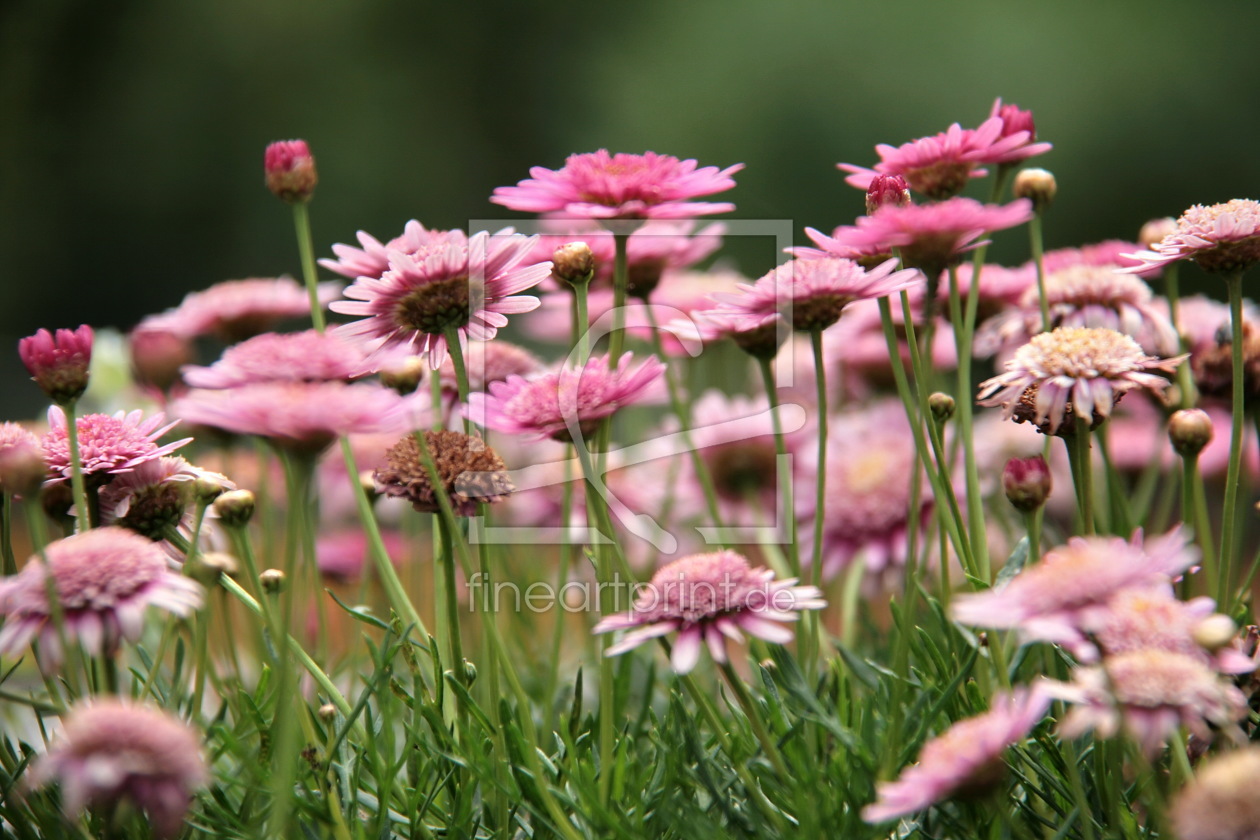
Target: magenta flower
pixel 812 293
pixel 1221 237
pixel 274 357
pixel 108 444
pixel 566 404
pixel 709 599
pixel 1111 253
pixel 105 579
pixel 1150 693
pixel 930 236
pixel 1057 599
pixel 621 186
pixel 1016 122
pixel 372 260
pixel 963 761
pixel 238 309
pixel 290 170
pixel 939 166
pixel 1079 371
pixel 155 496
pixel 59 364
pixel 451 285
pixel 110 750
pixel 301 417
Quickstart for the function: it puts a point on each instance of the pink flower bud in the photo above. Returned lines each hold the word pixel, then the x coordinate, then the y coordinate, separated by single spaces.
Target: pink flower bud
pixel 157 356
pixel 1027 482
pixel 1015 120
pixel 22 468
pixel 885 190
pixel 59 364
pixel 573 263
pixel 1154 231
pixel 290 170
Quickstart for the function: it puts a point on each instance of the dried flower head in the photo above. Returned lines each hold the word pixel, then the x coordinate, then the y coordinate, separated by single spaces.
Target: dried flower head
pixel 708 599
pixel 469 470
pixel 105 579
pixel 1085 365
pixel 59 363
pixel 110 750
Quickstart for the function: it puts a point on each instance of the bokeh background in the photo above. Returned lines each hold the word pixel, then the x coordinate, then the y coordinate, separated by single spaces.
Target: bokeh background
pixel 132 132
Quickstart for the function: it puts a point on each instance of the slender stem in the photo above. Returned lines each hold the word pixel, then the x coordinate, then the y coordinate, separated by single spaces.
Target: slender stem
pixel 81 512
pixel 562 577
pixel 964 331
pixel 1117 495
pixel 71 656
pixel 1038 252
pixel 813 622
pixel 1194 512
pixel 784 475
pixel 1082 473
pixel 581 323
pixel 753 714
pixel 6 539
pixel 302 223
pixel 1185 379
pixel 1233 475
pixel 455 643
pixel 1032 521
pixel 621 280
pixel 457 361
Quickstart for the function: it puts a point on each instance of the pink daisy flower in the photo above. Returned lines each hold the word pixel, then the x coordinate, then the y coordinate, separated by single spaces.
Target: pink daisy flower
pixel 22 468
pixel 930 236
pixel 492 361
pixel 105 579
pixel 1070 588
pixel 812 293
pixel 155 496
pixel 564 402
pixel 621 186
pixel 59 364
pixel 1075 370
pixel 1220 237
pixel 303 417
pixel 1016 121
pixel 108 444
pixel 111 750
pixel 271 357
pixel 372 260
pixel 939 166
pixel 238 309
pixel 964 761
pixel 1205 323
pixel 1150 693
pixel 469 287
pixel 708 599
pixel 1111 253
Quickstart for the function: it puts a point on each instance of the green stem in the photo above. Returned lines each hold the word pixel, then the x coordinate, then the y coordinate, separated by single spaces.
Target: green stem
pixel 813 622
pixel 1038 252
pixel 964 332
pixel 1032 522
pixel 6 539
pixel 581 324
pixel 784 474
pixel 455 642
pixel 456 350
pixel 621 280
pixel 1082 473
pixel 1194 512
pixel 754 718
pixel 1233 477
pixel 81 512
pixel 302 223
pixel 1185 379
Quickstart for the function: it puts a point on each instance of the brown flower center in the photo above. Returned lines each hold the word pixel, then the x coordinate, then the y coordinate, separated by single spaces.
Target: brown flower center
pixel 435 306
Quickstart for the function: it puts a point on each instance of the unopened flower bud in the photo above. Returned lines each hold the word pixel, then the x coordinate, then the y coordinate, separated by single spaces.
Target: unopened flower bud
pixel 573 263
pixel 1155 230
pixel 272 580
pixel 942 406
pixel 470 673
pixel 1027 482
pixel 327 712
pixel 885 190
pixel 1190 430
pixel 207 568
pixel 1036 185
pixel 368 483
pixel 1215 632
pixel 157 356
pixel 290 170
pixel 235 508
pixel 404 377
pixel 22 468
pixel 59 363
pixel 206 490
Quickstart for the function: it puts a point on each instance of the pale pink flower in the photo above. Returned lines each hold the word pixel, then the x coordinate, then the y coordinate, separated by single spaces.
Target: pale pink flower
pixel 929 236
pixel 760 338
pixel 871 463
pixel 1075 370
pixel 1070 588
pixel 155 496
pixel 812 293
pixel 939 166
pixel 1220 237
pixel 1150 693
pixel 563 404
pixel 468 287
pixel 490 361
pixel 372 260
pixel 108 444
pixel 999 287
pixel 110 750
pixel 307 356
pixel 964 760
pixel 659 246
pixel 304 417
pixel 239 309
pixel 1220 802
pixel 59 363
pixel 105 579
pixel 1112 253
pixel 22 467
pixel 1205 323
pixel 709 599
pixel 598 185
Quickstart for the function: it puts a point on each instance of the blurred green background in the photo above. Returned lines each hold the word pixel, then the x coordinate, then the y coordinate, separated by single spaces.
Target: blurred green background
pixel 132 132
